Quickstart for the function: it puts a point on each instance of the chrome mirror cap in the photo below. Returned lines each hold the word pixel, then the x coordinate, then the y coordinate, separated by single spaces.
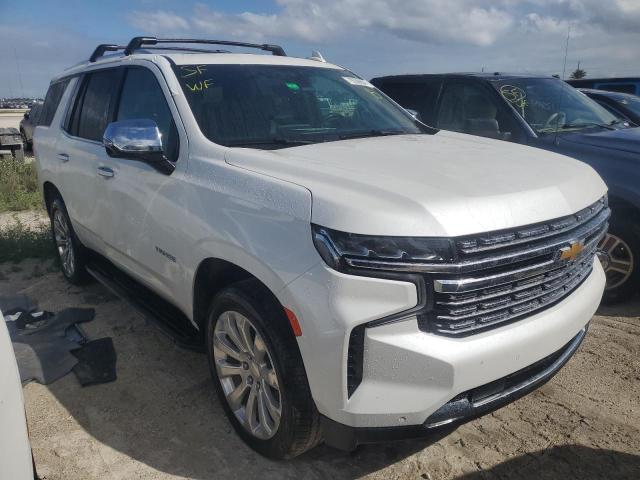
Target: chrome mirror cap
pixel 136 138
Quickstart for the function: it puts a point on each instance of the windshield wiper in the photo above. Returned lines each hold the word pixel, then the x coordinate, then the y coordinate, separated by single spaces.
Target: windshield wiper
pixel 586 125
pixel 268 141
pixel 370 133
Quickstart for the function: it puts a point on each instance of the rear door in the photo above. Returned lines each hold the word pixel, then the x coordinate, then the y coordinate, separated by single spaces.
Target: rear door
pixel 140 201
pixel 80 149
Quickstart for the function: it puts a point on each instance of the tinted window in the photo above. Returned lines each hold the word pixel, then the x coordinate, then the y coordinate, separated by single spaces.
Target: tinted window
pixel 469 108
pixel 420 97
pixel 96 102
pixel 51 102
pixel 272 106
pixel 142 98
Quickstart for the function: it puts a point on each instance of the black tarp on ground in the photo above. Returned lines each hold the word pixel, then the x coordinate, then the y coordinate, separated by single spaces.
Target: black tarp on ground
pixel 49 345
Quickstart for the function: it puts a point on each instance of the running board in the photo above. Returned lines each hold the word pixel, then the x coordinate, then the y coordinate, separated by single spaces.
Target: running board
pixel 165 316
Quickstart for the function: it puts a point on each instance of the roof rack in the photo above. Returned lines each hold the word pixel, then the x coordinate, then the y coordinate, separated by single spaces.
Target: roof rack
pixel 102 48
pixel 138 42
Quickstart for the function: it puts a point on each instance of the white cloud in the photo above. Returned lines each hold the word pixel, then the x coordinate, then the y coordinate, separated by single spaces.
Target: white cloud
pixel 473 22
pixel 159 21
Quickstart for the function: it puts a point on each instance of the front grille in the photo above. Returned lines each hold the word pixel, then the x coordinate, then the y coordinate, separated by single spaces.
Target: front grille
pixel 504 276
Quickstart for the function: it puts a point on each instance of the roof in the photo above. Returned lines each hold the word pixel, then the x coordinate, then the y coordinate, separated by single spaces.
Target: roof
pixel 605 80
pixel 181 58
pixel 608 94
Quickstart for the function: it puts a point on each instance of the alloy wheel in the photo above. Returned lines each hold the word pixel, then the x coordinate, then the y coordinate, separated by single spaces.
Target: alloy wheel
pixel 64 243
pixel 618 260
pixel 247 374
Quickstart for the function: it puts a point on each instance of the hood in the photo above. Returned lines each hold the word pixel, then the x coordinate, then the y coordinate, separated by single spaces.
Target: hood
pixel 627 139
pixel 447 184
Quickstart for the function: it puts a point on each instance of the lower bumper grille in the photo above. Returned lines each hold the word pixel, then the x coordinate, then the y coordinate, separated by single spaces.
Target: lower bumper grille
pixel 491 396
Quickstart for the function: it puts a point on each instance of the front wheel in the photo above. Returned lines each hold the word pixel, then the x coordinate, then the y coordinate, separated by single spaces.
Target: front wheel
pixel 619 254
pixel 258 373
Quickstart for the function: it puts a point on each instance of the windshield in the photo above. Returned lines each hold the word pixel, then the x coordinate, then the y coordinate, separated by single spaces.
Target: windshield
pixel 272 106
pixel 631 103
pixel 547 104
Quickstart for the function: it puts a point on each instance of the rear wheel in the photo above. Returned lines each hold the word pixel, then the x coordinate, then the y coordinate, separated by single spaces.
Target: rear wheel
pixel 619 254
pixel 258 372
pixel 71 253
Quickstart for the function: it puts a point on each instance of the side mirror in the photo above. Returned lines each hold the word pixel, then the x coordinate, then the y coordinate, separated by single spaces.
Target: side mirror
pixel 136 139
pixel 26 115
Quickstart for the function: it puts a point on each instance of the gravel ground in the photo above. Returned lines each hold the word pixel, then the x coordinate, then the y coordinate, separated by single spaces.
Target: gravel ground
pixel 161 419
pixel 31 219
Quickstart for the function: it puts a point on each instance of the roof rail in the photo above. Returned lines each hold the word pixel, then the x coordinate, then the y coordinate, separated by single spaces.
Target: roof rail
pixel 102 48
pixel 139 42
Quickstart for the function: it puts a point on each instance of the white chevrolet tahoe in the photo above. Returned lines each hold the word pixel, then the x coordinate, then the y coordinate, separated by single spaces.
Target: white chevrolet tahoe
pixel 352 274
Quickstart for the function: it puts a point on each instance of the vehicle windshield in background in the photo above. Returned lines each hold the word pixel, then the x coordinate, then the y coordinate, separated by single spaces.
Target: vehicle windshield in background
pixel 631 103
pixel 267 106
pixel 547 104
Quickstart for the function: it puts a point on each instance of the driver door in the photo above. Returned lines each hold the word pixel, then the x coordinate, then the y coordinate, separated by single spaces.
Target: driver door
pixel 142 237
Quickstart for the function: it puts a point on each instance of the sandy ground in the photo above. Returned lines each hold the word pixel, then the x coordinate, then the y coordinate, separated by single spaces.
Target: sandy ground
pixel 32 219
pixel 161 419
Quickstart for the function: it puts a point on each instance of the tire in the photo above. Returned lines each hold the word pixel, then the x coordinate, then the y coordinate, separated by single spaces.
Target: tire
pixel 298 427
pixel 622 248
pixel 71 253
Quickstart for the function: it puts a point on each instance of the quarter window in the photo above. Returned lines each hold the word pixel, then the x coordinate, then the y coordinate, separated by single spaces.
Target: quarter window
pixel 51 102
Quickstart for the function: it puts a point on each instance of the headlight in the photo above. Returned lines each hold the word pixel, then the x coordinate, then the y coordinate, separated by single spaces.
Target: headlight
pixel 341 250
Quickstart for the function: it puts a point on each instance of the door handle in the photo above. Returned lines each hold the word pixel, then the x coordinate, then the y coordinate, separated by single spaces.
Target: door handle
pixel 105 172
pixel 63 157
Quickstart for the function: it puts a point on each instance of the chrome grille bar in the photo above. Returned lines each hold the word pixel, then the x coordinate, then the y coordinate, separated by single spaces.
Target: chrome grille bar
pixel 508 275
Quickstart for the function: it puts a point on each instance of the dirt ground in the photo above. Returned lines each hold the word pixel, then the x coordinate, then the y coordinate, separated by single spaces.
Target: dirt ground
pixel 161 419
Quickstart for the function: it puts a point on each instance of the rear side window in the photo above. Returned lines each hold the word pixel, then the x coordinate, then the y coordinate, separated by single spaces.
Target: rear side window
pixel 94 107
pixel 51 102
pixel 420 97
pixel 142 98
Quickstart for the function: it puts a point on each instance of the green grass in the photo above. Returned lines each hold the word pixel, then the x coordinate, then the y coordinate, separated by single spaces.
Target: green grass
pixel 18 242
pixel 18 186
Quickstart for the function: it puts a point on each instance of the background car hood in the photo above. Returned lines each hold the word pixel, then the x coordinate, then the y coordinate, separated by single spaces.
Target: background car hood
pixel 627 139
pixel 447 184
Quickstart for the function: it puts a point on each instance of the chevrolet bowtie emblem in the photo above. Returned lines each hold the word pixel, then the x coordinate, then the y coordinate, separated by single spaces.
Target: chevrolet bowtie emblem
pixel 573 251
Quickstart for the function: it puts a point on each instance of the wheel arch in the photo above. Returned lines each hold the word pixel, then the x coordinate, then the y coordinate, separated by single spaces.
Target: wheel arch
pixel 212 276
pixel 619 204
pixel 49 193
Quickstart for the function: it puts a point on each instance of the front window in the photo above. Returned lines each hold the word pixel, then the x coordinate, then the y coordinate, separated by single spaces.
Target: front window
pixel 547 104
pixel 271 106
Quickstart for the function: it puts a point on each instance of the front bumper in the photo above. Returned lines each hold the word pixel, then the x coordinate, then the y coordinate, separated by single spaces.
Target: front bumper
pixel 463 408
pixel 414 382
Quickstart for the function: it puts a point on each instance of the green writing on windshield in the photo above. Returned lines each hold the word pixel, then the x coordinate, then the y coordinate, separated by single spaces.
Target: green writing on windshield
pixel 292 86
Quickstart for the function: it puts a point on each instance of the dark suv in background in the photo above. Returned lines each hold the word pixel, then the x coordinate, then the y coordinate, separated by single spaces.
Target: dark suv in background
pixel 546 113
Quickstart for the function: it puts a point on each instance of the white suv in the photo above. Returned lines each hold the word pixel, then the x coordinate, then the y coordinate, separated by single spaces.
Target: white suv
pixel 352 274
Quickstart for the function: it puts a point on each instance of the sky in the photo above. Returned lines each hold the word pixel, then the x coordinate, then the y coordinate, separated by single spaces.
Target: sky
pixel 40 38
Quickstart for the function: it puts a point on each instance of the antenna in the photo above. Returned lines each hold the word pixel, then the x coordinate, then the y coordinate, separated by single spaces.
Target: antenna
pixel 15 52
pixel 564 71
